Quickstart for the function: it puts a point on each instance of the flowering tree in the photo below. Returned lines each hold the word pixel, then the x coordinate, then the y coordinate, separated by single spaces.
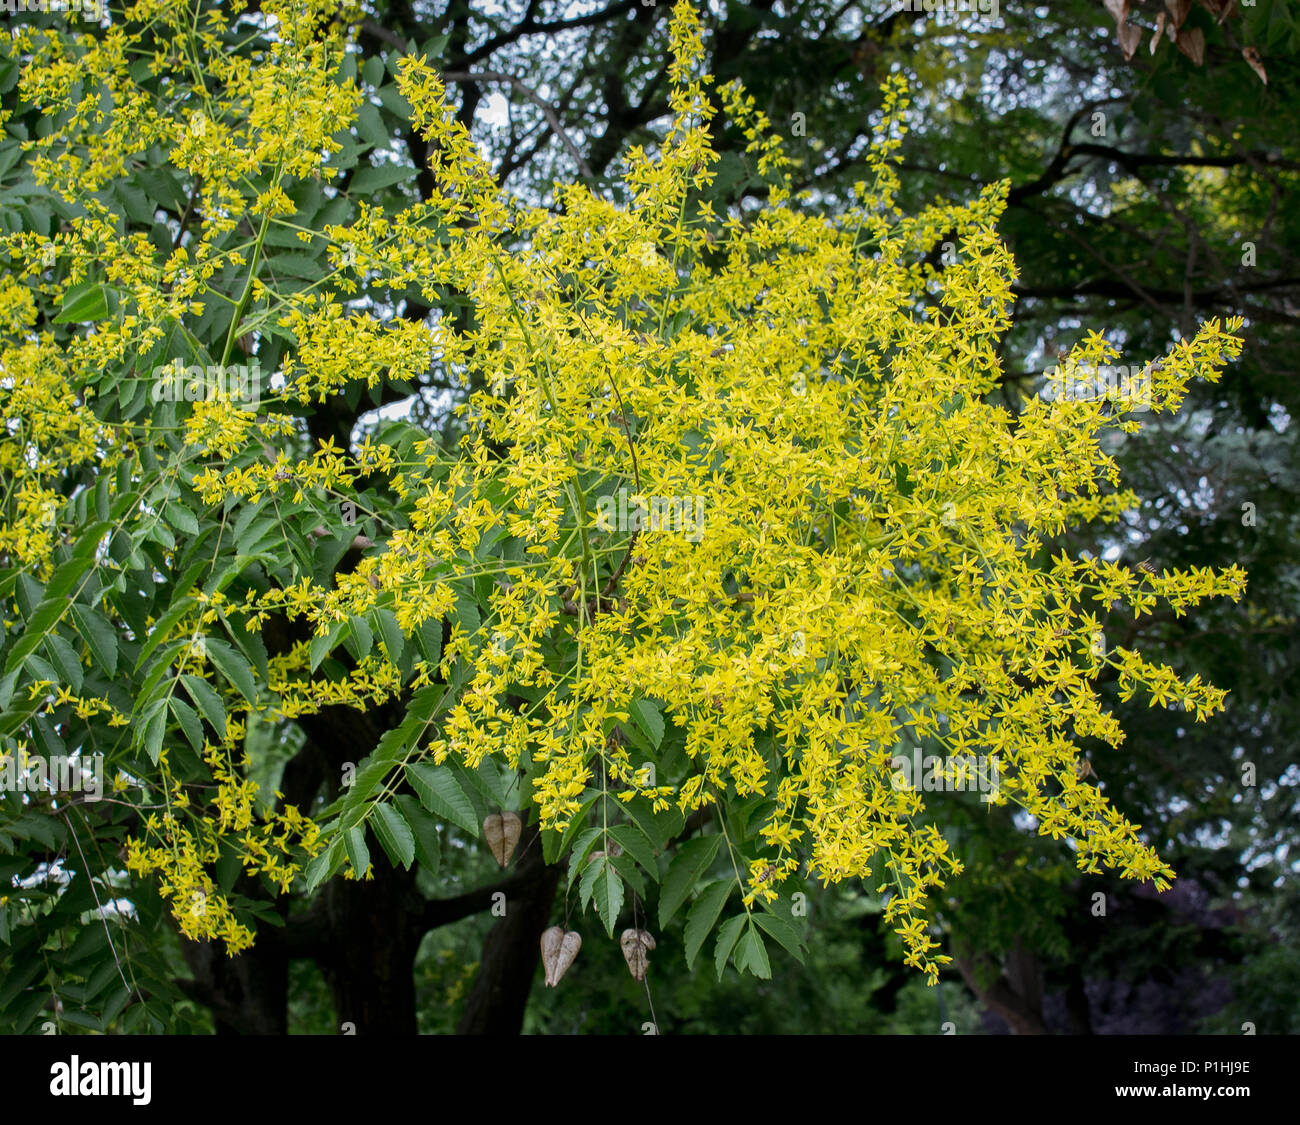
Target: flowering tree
pixel 717 528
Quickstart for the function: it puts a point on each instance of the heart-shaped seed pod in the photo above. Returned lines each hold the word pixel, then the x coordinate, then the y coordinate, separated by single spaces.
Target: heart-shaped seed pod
pixel 558 952
pixel 637 945
pixel 501 830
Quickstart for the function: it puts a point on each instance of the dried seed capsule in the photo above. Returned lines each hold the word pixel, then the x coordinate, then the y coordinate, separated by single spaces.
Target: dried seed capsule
pixel 501 830
pixel 559 948
pixel 637 945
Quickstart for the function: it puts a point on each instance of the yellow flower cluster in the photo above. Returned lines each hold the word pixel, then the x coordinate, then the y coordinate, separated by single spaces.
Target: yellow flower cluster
pixel 185 845
pixel 846 534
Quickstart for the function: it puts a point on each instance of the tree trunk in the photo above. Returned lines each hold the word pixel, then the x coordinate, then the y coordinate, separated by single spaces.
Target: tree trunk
pixel 374 935
pixel 1022 1010
pixel 512 948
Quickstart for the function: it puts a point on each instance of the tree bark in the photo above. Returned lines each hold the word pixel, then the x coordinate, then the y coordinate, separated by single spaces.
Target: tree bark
pixel 1023 1015
pixel 512 949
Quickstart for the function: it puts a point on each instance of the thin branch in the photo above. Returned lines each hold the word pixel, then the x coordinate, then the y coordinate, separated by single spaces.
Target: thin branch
pixel 548 110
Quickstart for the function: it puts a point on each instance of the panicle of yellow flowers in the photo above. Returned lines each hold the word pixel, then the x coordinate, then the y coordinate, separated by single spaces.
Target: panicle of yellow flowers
pixel 180 848
pixel 845 561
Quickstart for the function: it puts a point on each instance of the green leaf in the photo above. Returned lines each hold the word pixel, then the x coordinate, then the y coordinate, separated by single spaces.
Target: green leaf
pixel 67 577
pixel 587 884
pixel 692 860
pixel 162 628
pixel 322 644
pixel 207 701
pixel 626 866
pixel 323 866
pixel 7 686
pixel 152 730
pixel 554 844
pixel 39 624
pixel 181 518
pixel 608 893
pixel 234 667
pixel 228 866
pixel 66 660
pixel 370 126
pixel 393 101
pixel 87 543
pixel 354 841
pixel 372 70
pixel 488 781
pixel 96 631
pixel 367 783
pixel 632 840
pixel 465 613
pixel 394 834
pixel 295 265
pixel 390 634
pixel 360 640
pixel 751 954
pixel 189 722
pixel 441 794
pixel 429 638
pixel 30 593
pixel 703 916
pixel 581 848
pixel 85 302
pixel 783 931
pixel 252 646
pixel 659 828
pixel 726 941
pixel 646 716
pixel 427 849
pixel 372 179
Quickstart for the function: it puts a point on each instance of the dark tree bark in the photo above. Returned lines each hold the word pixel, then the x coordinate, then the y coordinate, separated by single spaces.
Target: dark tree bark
pixel 1020 1006
pixel 512 950
pixel 247 995
pixel 374 931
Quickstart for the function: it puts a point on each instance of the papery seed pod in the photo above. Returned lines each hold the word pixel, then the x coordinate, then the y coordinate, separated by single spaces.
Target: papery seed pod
pixel 637 945
pixel 501 830
pixel 559 949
